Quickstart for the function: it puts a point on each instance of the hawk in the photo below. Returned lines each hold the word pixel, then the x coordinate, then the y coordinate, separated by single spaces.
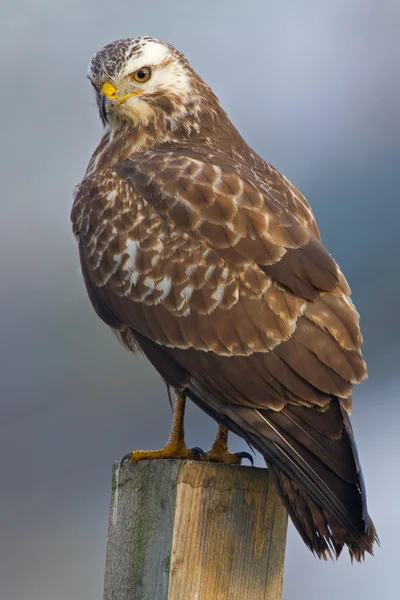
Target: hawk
pixel 203 256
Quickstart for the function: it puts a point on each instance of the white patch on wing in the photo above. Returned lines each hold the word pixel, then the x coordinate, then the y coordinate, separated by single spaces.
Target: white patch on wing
pixel 164 285
pixel 218 293
pixel 150 283
pixel 190 270
pixel 209 273
pixel 131 251
pixel 111 196
pixel 187 292
pixel 159 247
pixel 134 277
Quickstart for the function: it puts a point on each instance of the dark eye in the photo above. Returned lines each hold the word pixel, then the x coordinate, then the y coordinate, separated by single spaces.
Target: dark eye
pixel 142 75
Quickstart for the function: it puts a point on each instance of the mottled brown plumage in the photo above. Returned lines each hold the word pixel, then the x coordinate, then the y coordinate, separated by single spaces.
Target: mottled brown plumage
pixel 201 254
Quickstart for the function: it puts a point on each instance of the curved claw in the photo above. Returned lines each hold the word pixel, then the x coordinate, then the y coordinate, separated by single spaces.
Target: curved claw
pixel 243 455
pixel 196 451
pixel 125 458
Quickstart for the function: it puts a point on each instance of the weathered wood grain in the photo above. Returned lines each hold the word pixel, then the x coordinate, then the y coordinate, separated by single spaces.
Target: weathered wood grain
pixel 195 531
pixel 140 531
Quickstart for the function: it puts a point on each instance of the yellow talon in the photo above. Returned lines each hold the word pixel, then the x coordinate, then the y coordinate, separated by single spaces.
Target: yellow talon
pixel 174 450
pixel 219 452
pixel 175 447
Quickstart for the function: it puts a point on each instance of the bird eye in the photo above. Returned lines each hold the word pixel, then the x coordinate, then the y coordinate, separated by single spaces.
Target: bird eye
pixel 142 75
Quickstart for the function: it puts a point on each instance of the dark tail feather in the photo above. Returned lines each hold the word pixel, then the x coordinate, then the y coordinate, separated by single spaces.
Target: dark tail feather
pixel 318 529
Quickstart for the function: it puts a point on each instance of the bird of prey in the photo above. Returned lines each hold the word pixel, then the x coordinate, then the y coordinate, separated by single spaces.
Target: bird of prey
pixel 203 256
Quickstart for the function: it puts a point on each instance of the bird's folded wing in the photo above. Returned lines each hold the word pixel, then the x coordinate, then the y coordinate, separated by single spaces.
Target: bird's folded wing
pixel 245 220
pixel 232 297
pixel 199 255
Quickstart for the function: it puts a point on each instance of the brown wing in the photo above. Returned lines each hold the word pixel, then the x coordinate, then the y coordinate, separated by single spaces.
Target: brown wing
pixel 234 299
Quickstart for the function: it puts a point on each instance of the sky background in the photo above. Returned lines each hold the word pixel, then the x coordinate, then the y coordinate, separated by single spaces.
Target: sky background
pixel 314 87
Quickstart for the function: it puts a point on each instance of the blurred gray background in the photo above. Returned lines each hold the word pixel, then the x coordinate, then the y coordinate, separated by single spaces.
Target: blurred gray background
pixel 314 88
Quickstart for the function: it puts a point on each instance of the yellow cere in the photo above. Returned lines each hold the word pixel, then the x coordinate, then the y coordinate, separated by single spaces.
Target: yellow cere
pixel 108 89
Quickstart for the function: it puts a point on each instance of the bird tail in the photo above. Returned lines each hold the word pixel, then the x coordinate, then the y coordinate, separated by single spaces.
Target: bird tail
pixel 320 531
pixel 320 482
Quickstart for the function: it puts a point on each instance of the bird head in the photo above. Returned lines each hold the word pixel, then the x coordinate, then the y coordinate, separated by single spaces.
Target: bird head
pixel 142 81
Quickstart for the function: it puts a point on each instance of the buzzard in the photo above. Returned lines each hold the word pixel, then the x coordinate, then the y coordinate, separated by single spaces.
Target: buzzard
pixel 203 256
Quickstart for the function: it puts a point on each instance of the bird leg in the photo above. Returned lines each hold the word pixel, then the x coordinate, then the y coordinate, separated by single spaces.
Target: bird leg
pixel 219 452
pixel 175 447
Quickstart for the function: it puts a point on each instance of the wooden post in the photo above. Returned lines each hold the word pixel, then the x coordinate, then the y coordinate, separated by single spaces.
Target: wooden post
pixel 183 530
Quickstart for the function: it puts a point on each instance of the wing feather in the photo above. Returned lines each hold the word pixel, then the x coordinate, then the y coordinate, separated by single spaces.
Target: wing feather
pixel 219 276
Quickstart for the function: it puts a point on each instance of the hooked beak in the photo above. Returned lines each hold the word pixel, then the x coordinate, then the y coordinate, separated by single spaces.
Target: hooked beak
pixel 103 107
pixel 108 91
